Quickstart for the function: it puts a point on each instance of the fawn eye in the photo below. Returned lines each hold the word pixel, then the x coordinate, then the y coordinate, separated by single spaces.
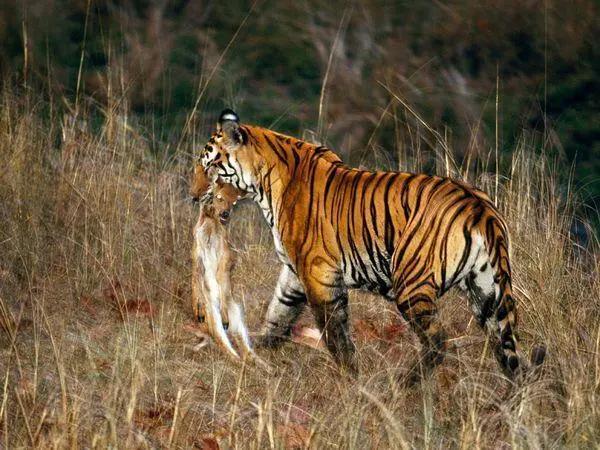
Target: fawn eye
pixel 219 197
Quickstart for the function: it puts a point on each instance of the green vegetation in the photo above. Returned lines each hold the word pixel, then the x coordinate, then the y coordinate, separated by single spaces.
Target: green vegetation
pixel 444 59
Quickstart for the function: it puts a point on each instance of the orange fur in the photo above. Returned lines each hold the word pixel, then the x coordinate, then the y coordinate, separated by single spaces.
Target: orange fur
pixel 409 237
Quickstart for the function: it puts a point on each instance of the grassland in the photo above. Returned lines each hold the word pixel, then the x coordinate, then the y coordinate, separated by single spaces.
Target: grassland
pixel 97 347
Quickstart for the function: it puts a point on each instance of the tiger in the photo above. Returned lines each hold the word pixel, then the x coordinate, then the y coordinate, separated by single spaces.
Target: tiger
pixel 408 237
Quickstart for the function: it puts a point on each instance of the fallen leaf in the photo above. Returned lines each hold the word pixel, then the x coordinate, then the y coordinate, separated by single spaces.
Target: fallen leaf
pixel 140 307
pixel 393 331
pixel 207 443
pixel 294 435
pixel 365 330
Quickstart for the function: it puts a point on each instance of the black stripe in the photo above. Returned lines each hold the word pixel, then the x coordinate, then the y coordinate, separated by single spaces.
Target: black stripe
pixel 276 150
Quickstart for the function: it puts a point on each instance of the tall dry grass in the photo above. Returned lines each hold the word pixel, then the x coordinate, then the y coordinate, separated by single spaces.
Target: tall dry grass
pixel 96 348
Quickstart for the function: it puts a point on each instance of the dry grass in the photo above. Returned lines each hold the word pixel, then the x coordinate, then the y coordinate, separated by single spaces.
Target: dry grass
pixel 95 352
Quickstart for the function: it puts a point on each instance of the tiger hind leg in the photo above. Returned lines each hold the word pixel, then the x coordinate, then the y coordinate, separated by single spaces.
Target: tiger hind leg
pixel 494 308
pixel 421 312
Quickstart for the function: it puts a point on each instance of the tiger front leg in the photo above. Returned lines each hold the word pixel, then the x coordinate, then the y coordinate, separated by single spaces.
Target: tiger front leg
pixel 329 303
pixel 286 305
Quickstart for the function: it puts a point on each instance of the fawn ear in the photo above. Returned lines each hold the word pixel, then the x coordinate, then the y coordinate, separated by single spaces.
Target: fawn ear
pixel 229 124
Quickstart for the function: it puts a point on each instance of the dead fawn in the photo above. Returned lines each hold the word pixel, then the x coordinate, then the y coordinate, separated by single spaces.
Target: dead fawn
pixel 212 263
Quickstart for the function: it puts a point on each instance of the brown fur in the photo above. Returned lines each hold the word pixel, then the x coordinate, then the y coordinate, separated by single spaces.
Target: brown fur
pixel 212 232
pixel 224 196
pixel 213 261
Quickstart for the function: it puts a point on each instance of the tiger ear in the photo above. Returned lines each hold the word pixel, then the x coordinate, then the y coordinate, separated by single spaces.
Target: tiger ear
pixel 229 124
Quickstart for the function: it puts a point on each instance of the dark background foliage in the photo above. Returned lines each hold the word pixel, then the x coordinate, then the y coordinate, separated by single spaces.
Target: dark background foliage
pixel 448 60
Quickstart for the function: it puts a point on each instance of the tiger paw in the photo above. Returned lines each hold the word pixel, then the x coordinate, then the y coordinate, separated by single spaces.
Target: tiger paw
pixel 269 340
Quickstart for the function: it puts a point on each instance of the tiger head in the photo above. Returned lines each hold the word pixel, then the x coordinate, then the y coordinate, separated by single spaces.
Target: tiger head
pixel 229 153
